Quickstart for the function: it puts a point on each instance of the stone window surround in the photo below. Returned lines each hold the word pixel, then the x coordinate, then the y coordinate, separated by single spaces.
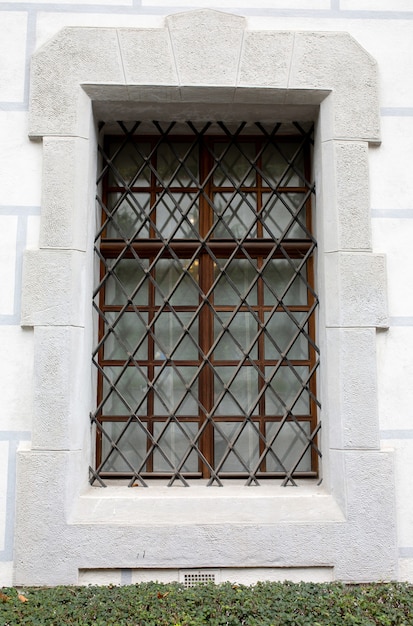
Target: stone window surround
pixel 203 64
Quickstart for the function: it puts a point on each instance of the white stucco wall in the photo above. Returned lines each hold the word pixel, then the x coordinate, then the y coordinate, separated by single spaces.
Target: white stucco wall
pixel 386 34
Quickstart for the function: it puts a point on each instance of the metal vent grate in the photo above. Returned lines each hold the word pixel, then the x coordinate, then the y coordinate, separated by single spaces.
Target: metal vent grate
pixel 197 577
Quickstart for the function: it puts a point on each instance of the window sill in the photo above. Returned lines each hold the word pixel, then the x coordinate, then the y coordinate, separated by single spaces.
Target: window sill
pixel 235 504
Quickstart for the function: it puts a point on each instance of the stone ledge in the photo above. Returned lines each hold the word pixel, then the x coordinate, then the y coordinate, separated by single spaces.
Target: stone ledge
pixel 161 506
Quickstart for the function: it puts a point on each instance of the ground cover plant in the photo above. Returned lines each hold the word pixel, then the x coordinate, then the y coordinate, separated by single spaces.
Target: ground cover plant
pixel 264 604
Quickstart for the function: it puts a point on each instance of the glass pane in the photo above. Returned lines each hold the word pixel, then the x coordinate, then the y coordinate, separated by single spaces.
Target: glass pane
pixel 127 279
pixel 175 442
pixel 127 333
pixel 168 273
pixel 129 215
pixel 235 166
pixel 176 215
pixel 241 331
pixel 235 282
pixel 169 330
pixel 277 275
pixel 288 446
pixel 132 444
pixel 247 446
pixel 282 329
pixel 241 393
pixel 129 165
pixel 276 169
pixel 130 394
pixel 284 216
pixel 177 164
pixel 283 389
pixel 237 215
pixel 171 394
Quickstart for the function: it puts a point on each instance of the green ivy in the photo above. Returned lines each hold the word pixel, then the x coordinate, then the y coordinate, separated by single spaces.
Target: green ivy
pixel 263 604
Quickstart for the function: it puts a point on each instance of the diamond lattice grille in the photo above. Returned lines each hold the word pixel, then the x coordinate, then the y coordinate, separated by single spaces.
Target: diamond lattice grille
pixel 206 357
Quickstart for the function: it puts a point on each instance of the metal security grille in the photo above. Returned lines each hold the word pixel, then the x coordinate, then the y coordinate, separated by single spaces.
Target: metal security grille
pixel 206 357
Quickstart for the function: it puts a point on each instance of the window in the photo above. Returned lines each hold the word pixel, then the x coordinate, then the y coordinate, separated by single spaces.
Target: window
pixel 206 359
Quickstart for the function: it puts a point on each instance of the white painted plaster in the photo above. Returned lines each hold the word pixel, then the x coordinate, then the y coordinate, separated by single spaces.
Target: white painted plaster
pixel 8 234
pixel 376 5
pixel 6 573
pixel 4 460
pixel 20 162
pixel 16 372
pixel 390 165
pixel 241 4
pixel 395 368
pixel 406 570
pixel 13 54
pixel 102 531
pixel 394 237
pixel 78 3
pixel 33 231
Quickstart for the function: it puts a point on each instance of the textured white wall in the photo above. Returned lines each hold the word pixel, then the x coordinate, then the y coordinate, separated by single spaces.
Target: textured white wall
pixel 386 33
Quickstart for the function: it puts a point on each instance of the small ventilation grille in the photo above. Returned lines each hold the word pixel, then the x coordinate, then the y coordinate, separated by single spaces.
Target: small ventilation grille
pixel 190 578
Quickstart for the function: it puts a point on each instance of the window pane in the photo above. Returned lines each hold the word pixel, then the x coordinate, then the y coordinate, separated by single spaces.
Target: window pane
pixel 175 442
pixel 235 215
pixel 129 215
pixel 279 167
pixel 130 394
pixel 246 446
pixel 283 388
pixel 241 393
pixel 128 331
pixel 177 282
pixel 241 331
pixel 234 165
pixel 171 393
pixel 277 275
pixel 127 280
pixel 288 446
pixel 169 329
pixel 282 329
pixel 132 445
pixel 177 215
pixel 235 282
pixel 284 216
pixel 130 165
pixel 233 201
pixel 177 164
